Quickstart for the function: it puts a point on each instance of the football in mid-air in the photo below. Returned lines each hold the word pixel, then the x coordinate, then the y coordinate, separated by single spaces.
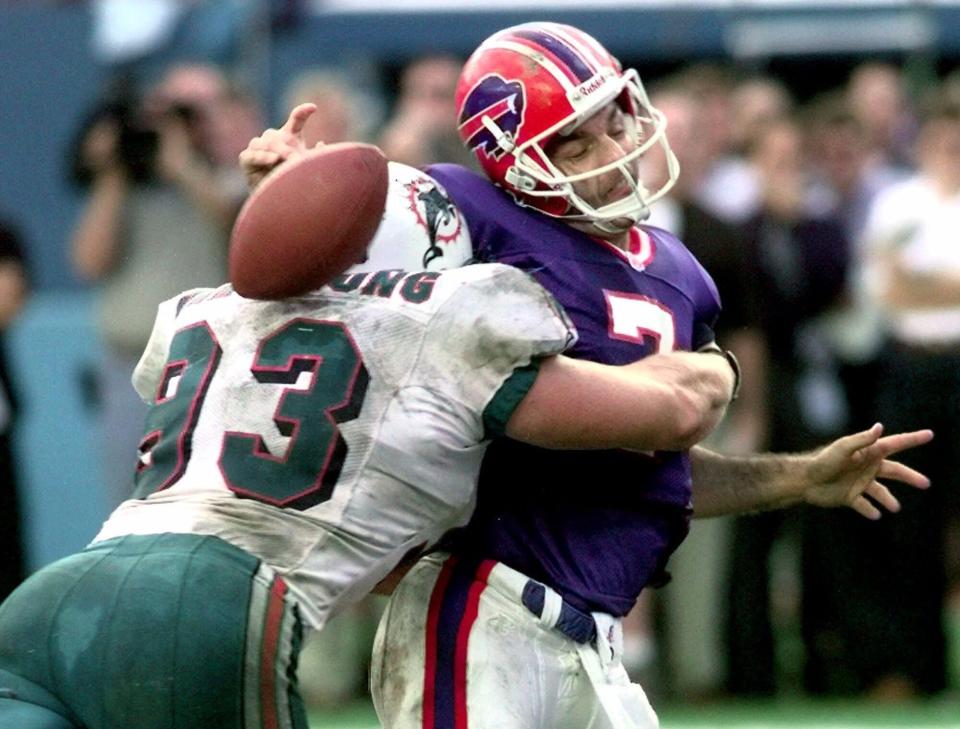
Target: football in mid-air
pixel 309 220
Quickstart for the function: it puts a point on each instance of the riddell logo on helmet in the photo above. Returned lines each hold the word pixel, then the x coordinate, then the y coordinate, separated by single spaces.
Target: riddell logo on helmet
pixel 592 85
pixel 595 83
pixel 499 100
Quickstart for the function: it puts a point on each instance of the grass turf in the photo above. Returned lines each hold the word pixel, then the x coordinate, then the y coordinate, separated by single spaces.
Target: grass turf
pixel 938 714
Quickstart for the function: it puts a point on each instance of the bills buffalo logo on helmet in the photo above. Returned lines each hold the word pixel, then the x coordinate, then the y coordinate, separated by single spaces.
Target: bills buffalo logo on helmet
pixel 436 213
pixel 503 102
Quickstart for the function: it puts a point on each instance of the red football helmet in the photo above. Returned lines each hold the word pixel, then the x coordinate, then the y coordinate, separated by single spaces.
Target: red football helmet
pixel 527 84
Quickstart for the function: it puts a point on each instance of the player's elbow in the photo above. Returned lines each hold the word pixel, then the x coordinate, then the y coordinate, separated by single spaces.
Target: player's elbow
pixel 692 417
pixel 701 407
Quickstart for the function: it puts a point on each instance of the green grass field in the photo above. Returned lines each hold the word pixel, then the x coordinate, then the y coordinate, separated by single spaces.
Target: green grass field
pixel 939 714
pixel 790 712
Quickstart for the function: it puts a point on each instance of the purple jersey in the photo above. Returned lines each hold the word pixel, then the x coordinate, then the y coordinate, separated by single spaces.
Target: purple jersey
pixel 597 526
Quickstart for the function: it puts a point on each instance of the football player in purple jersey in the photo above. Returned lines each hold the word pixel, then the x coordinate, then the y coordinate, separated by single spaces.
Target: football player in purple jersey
pixel 518 622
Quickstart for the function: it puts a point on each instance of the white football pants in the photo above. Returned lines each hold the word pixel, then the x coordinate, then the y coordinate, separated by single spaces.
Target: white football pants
pixel 457 649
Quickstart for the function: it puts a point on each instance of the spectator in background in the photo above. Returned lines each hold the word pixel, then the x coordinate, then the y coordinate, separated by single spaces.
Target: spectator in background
pixel 849 179
pixel 911 246
pixel 731 111
pixel 423 127
pixel 156 222
pixel 712 85
pixel 754 101
pixel 799 263
pixel 13 295
pixel 230 131
pixel 343 113
pixel 879 100
pixel 950 88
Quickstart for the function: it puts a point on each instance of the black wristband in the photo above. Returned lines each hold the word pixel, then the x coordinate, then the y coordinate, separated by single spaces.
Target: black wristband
pixel 732 360
pixel 735 366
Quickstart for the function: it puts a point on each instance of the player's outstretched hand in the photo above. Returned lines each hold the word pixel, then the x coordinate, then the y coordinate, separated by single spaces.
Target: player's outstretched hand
pixel 845 472
pixel 274 146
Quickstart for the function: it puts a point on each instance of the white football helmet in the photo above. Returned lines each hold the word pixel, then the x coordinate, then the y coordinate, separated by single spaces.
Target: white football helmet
pixel 421 230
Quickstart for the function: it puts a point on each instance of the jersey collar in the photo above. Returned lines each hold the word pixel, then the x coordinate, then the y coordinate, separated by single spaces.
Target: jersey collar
pixel 640 248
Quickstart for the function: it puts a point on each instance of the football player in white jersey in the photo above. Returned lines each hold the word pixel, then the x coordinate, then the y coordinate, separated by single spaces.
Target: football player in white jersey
pixel 294 452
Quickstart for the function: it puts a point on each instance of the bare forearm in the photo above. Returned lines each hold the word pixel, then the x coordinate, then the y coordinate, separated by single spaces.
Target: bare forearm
pixel 96 239
pixel 742 484
pixel 703 381
pixel 902 287
pixel 13 291
pixel 664 402
pixel 923 291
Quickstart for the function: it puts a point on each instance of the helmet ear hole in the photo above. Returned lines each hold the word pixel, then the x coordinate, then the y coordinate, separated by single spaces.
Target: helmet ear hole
pixel 626 103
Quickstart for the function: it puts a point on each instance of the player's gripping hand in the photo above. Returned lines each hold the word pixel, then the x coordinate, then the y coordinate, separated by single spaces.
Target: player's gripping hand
pixel 275 146
pixel 845 472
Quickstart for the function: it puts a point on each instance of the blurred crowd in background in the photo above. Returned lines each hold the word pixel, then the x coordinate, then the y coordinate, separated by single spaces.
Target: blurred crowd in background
pixel 830 224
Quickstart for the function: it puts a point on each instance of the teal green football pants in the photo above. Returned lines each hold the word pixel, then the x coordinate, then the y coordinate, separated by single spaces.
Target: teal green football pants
pixel 168 631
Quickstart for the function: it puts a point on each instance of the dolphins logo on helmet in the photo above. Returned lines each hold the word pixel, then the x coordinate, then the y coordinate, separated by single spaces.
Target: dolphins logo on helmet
pixel 437 214
pixel 499 100
pixel 421 229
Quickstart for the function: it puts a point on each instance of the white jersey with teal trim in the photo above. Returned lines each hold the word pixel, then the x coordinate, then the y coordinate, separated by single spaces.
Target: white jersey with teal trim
pixel 331 434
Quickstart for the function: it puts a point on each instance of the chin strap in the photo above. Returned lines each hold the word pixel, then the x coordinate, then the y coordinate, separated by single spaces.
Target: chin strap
pixel 714 348
pixel 503 139
pixel 607 226
pixel 642 212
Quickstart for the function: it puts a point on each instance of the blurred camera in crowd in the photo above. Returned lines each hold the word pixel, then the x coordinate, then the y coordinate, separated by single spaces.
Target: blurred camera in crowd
pixel 119 134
